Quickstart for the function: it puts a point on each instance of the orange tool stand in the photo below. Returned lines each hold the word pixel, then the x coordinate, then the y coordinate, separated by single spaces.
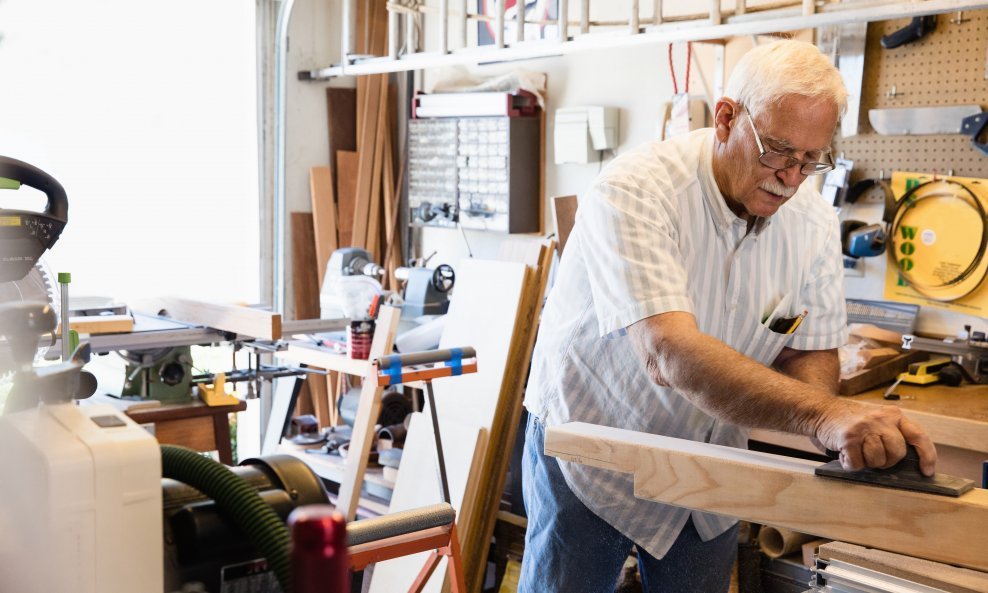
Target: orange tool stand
pixel 397 534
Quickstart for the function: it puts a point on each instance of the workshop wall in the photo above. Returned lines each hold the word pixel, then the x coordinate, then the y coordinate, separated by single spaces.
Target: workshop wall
pixel 637 81
pixel 947 67
pixel 587 78
pixel 314 41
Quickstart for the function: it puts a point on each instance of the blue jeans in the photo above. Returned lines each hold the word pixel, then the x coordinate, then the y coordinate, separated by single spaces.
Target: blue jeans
pixel 569 549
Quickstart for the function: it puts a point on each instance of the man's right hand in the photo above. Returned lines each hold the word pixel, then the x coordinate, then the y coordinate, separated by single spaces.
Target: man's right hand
pixel 873 436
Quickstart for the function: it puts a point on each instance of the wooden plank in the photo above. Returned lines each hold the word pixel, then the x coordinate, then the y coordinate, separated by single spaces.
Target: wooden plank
pixel 419 486
pixel 492 291
pixel 924 572
pixel 493 473
pixel 346 184
pixel 366 148
pixel 393 251
pixel 100 324
pixel 369 106
pixel 953 431
pixel 783 491
pixel 305 289
pixel 314 397
pixel 389 206
pixel 341 110
pixel 488 290
pixel 367 412
pixel 361 97
pixel 564 212
pixel 317 356
pixel 323 218
pixel 247 321
pixel 373 241
pixel 494 395
pixel 962 433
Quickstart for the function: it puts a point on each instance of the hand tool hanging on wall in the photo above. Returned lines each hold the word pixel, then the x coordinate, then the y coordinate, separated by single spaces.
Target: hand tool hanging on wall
pixel 919 27
pixel 914 121
pixel 973 126
pixel 858 238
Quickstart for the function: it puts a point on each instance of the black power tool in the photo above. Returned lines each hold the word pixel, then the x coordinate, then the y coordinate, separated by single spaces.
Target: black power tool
pixel 25 235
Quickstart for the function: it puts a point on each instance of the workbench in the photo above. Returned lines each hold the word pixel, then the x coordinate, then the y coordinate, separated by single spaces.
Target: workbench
pixel 194 425
pixel 955 417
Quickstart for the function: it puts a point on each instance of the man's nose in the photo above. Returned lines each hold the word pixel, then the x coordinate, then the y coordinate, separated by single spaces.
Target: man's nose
pixel 791 176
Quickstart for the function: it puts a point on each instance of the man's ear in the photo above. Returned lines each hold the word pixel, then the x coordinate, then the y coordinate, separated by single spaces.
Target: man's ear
pixel 726 112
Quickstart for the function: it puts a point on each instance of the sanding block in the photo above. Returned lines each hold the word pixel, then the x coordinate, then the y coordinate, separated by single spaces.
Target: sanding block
pixel 904 475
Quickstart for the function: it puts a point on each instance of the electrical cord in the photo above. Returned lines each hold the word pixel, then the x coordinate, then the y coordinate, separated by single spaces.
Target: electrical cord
pixel 907 203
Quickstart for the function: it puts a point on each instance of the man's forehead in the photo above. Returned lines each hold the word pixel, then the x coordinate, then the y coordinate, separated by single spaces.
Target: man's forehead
pixel 787 145
pixel 770 120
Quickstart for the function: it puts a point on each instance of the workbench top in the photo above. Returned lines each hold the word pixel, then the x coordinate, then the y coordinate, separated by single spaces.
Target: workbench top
pixel 956 418
pixel 967 401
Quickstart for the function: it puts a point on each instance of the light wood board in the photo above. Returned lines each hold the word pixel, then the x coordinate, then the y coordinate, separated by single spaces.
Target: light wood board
pixel 783 491
pixel 323 217
pixel 368 410
pixel 419 485
pixel 482 313
pixel 247 321
pixel 924 572
pixel 347 165
pixel 100 324
pixel 538 258
pixel 341 111
pixel 564 213
pixel 315 396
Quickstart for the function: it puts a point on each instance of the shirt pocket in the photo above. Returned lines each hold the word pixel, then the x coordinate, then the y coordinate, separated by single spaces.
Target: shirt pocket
pixel 765 344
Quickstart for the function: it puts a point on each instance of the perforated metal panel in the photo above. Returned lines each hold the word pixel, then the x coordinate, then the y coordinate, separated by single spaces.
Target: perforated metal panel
pixel 947 67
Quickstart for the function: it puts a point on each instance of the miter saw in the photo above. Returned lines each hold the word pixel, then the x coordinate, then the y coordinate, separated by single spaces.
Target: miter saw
pixel 82 483
pixel 24 237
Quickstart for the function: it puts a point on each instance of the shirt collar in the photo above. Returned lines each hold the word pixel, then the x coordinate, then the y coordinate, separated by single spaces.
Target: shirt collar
pixel 723 217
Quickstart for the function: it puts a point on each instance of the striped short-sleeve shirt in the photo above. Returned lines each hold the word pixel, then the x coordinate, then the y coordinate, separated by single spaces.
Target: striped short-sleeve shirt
pixel 652 235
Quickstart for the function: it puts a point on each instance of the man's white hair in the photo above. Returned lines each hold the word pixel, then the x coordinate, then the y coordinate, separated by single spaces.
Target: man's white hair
pixel 769 72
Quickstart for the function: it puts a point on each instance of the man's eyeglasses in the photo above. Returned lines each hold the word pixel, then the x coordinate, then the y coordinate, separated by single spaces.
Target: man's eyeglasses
pixel 778 161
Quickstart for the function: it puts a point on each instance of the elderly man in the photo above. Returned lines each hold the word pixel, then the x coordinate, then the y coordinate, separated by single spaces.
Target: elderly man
pixel 701 293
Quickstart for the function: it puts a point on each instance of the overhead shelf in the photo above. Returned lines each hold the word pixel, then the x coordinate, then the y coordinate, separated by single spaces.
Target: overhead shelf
pixel 712 29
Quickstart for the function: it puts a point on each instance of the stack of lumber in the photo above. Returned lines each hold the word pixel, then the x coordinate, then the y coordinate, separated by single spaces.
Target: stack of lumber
pixel 362 157
pixel 495 309
pixel 354 199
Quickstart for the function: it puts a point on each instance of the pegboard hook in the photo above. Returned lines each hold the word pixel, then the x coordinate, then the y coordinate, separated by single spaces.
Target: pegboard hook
pixel 959 19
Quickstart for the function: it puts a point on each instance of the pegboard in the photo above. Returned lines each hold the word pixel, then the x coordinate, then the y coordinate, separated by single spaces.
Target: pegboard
pixel 947 67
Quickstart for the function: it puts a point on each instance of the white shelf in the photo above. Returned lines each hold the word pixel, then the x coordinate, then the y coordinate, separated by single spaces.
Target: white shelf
pixel 317 356
pixel 755 23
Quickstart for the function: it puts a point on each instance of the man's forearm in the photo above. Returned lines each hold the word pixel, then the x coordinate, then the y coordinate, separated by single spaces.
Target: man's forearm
pixel 731 386
pixel 736 389
pixel 816 367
